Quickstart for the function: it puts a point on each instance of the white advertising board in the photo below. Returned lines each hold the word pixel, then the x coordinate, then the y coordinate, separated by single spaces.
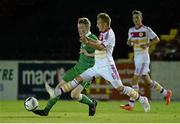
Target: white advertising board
pixel 8 80
pixel 168 75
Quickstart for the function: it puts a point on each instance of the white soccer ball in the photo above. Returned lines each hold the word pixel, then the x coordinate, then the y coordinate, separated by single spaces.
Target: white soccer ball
pixel 31 103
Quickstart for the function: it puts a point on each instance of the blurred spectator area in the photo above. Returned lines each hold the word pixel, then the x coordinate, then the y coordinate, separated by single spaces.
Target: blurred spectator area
pixel 47 29
pixel 169 47
pixel 7 7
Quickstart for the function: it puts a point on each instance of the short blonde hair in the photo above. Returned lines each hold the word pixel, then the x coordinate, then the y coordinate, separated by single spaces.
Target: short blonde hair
pixel 136 12
pixel 84 21
pixel 105 18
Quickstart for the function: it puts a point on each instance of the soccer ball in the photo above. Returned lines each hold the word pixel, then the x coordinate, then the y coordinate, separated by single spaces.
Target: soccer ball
pixel 31 103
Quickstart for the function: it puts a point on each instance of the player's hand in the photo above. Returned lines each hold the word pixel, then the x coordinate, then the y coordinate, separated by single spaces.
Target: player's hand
pixel 83 51
pixel 132 42
pixel 129 43
pixel 83 39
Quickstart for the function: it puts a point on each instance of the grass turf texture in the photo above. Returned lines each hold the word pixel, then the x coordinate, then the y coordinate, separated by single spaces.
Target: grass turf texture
pixel 74 112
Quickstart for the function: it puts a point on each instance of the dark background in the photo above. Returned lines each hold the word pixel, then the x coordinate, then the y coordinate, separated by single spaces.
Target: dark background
pixel 47 29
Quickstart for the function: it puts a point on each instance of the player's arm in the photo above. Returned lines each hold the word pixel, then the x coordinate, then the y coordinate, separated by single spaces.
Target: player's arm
pixel 154 38
pixel 129 42
pixel 153 41
pixel 92 43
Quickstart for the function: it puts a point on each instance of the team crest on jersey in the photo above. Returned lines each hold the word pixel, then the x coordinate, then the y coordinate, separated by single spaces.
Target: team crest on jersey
pixel 138 34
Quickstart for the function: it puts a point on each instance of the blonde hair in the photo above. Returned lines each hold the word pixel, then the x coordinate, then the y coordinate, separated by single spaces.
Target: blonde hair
pixel 84 21
pixel 137 12
pixel 105 18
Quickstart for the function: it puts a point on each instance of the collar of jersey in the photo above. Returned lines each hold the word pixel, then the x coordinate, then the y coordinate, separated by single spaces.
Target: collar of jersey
pixel 88 34
pixel 138 27
pixel 106 30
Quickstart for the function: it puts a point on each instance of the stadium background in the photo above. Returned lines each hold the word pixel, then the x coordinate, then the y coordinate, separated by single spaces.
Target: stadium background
pixel 42 35
pixel 39 38
pixel 46 30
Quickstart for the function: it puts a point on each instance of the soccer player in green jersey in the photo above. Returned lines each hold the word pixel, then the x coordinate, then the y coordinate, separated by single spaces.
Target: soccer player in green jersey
pixel 86 60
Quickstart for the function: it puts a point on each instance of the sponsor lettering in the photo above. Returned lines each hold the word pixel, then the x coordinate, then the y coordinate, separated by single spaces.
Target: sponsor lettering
pixel 6 74
pixel 31 77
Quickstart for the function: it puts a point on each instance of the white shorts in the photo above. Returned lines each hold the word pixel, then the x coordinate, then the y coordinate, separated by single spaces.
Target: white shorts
pixel 108 72
pixel 142 62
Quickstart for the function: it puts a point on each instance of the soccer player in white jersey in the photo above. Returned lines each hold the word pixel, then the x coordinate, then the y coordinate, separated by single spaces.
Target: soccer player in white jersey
pixel 104 64
pixel 141 37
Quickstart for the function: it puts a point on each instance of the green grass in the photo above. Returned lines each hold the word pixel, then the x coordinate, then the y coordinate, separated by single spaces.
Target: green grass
pixel 74 112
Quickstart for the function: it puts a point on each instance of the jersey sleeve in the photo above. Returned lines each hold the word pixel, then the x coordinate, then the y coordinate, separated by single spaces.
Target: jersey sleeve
pixel 93 37
pixel 108 39
pixel 151 33
pixel 129 35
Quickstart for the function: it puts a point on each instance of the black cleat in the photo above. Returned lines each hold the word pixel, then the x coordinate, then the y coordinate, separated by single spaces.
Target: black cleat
pixel 92 108
pixel 40 112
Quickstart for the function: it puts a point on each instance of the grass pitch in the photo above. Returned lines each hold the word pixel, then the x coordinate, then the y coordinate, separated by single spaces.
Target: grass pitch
pixel 74 112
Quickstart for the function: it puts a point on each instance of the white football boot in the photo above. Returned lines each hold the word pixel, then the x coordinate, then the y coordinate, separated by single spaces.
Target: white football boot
pixel 146 104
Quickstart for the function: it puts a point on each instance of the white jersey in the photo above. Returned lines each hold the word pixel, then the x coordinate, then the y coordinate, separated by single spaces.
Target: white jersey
pixel 108 40
pixel 140 36
pixel 104 64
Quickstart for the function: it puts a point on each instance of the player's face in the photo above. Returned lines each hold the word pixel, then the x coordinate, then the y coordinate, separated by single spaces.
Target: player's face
pixel 137 19
pixel 82 29
pixel 100 25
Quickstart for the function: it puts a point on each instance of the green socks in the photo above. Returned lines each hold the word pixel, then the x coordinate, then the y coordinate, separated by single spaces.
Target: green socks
pixel 86 100
pixel 50 103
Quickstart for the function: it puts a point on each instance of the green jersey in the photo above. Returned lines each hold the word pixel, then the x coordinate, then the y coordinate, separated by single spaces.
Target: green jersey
pixel 86 60
pixel 83 63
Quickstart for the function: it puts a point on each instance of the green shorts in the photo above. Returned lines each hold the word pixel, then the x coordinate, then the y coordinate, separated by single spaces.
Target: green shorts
pixel 75 71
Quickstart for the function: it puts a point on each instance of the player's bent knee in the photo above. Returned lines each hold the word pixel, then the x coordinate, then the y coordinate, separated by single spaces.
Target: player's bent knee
pixel 79 79
pixel 146 79
pixel 75 95
pixel 135 80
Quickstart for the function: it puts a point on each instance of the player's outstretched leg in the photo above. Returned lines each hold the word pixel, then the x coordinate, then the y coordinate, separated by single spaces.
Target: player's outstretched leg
pixel 145 103
pixel 82 98
pixel 53 99
pixel 45 111
pixel 130 105
pixel 135 95
pixel 166 93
